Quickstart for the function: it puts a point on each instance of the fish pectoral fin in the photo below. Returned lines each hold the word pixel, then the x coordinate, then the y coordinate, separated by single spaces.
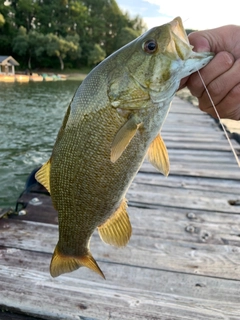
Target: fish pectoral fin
pixel 158 155
pixel 63 263
pixel 43 175
pixel 123 137
pixel 117 229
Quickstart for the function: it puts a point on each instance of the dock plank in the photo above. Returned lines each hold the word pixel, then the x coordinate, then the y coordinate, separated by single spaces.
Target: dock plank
pixel 154 196
pixel 226 186
pixel 131 293
pixel 182 262
pixel 207 170
pixel 180 250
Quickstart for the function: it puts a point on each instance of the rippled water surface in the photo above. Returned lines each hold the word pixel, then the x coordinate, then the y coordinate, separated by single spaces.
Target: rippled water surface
pixel 30 117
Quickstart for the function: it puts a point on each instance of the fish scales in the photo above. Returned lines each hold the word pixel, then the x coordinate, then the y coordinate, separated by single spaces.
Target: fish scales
pixel 91 158
pixel 111 124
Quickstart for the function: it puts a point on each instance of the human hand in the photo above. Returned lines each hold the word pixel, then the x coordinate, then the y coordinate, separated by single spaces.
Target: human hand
pixel 221 75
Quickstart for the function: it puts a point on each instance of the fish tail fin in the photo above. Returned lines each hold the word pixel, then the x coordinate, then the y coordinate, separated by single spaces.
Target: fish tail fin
pixel 63 263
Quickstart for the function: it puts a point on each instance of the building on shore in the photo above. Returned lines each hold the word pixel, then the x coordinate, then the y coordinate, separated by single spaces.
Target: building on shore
pixel 7 65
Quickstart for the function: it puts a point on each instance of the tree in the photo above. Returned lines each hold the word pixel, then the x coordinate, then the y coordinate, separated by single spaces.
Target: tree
pixel 96 55
pixel 74 51
pixel 26 13
pixel 60 47
pixel 20 42
pixel 37 46
pixel 188 31
pixel 126 35
pixel 2 20
pixel 61 27
pixel 30 44
pixel 7 29
pixel 62 17
pixel 105 24
pixel 137 24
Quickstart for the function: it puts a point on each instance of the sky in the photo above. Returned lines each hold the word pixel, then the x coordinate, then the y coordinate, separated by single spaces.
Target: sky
pixel 197 15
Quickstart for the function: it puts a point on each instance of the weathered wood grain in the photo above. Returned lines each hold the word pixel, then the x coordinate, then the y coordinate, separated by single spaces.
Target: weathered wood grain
pixel 129 293
pixel 159 247
pixel 207 170
pixel 182 262
pixel 148 196
pixel 225 186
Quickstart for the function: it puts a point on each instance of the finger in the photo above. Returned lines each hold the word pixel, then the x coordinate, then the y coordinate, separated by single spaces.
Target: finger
pixel 221 63
pixel 220 87
pixel 224 38
pixel 183 83
pixel 199 42
pixel 228 108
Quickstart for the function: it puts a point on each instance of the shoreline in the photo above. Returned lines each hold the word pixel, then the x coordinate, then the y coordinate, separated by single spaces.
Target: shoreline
pixel 42 76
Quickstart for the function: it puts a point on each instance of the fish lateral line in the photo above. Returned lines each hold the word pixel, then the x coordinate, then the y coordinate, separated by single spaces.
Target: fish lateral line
pixel 220 120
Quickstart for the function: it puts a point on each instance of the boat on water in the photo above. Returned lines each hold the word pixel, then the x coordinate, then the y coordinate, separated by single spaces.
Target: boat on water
pixel 35 77
pixel 21 78
pixel 32 77
pixel 7 78
pixel 53 77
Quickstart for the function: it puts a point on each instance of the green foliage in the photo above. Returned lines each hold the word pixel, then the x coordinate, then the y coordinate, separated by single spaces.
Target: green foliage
pixel 20 42
pixel 188 31
pixel 96 55
pixel 36 43
pixel 61 17
pixel 26 12
pixel 2 20
pixel 60 47
pixel 126 35
pixel 7 29
pixel 75 32
pixel 30 44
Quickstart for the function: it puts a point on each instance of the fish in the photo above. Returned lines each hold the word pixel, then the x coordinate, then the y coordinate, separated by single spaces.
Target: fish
pixel 111 124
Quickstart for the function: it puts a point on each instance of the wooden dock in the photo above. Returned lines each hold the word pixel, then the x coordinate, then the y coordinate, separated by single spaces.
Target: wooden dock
pixel 182 262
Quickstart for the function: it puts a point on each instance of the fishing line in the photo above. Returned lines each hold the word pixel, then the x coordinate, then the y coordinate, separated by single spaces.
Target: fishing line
pixel 222 125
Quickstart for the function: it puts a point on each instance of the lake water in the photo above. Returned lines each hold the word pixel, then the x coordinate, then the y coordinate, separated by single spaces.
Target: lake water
pixel 30 117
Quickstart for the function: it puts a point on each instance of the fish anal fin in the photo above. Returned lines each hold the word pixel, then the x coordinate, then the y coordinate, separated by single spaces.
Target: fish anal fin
pixel 64 263
pixel 43 175
pixel 117 229
pixel 158 155
pixel 123 138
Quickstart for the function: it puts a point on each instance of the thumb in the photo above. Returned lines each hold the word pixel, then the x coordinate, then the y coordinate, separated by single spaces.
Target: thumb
pixel 199 42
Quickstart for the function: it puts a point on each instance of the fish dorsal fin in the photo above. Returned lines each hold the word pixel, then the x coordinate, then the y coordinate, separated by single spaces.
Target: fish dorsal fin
pixel 62 263
pixel 123 137
pixel 158 155
pixel 43 175
pixel 117 229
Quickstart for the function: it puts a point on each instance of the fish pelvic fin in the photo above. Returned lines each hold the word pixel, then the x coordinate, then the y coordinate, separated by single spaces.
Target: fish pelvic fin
pixel 123 137
pixel 62 263
pixel 117 229
pixel 43 175
pixel 158 155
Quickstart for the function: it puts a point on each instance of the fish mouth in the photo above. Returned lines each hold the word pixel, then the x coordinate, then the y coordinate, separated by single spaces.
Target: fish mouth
pixel 182 61
pixel 183 49
pixel 180 42
pixel 179 31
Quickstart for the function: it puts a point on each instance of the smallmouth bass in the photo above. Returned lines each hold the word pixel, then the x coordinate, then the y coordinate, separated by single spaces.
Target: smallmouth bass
pixel 111 124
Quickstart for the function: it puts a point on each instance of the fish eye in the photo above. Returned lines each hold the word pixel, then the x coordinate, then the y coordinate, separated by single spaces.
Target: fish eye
pixel 150 46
